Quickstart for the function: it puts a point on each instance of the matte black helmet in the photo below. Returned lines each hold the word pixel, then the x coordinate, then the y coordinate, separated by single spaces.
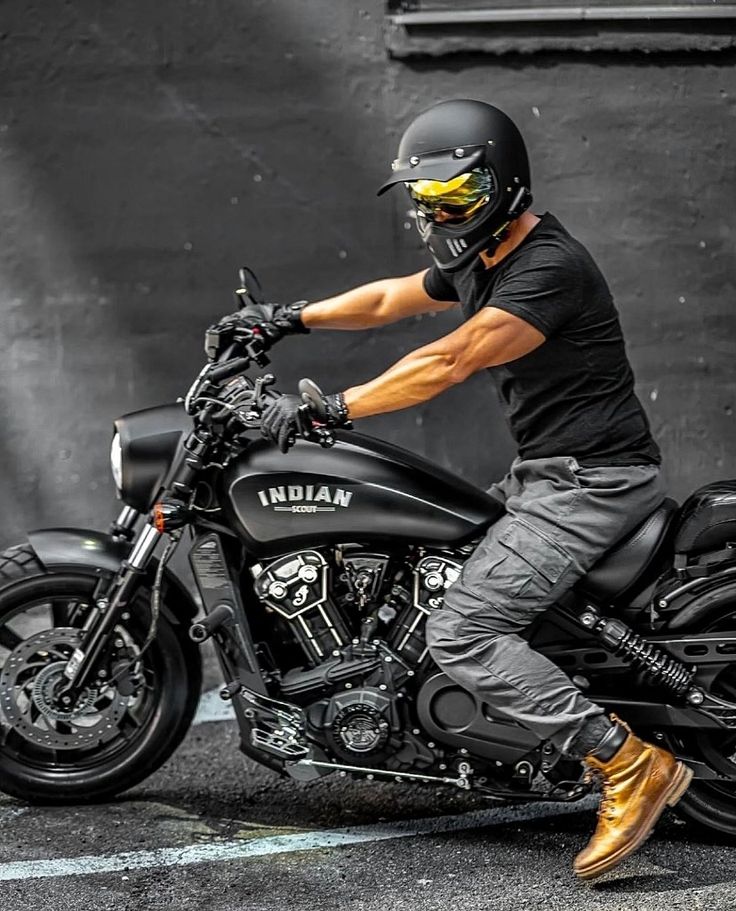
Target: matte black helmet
pixel 465 166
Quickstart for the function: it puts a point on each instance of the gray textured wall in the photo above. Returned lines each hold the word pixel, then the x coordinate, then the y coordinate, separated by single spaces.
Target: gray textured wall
pixel 147 149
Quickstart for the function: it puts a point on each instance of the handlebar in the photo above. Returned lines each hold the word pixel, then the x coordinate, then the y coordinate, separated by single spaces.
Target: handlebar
pixel 228 369
pixel 226 353
pixel 233 352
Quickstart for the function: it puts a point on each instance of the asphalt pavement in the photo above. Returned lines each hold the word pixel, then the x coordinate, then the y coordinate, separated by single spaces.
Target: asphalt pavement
pixel 213 830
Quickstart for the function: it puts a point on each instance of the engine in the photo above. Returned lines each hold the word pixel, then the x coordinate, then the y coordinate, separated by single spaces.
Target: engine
pixel 326 605
pixel 431 576
pixel 296 588
pixel 358 618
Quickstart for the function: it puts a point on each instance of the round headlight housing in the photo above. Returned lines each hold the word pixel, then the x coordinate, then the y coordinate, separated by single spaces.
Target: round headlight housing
pixel 116 461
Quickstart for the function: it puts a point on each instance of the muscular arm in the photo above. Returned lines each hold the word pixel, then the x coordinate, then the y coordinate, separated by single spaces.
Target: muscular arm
pixel 376 304
pixel 491 337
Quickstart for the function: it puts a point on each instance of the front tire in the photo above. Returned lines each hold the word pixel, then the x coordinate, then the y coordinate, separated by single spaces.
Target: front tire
pixel 115 740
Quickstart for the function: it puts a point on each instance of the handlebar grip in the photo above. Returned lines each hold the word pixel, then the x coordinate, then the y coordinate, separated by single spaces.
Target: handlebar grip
pixel 227 370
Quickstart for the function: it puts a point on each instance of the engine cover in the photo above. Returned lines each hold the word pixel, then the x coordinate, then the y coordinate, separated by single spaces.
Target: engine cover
pixel 358 726
pixel 456 717
pixel 433 574
pixel 295 586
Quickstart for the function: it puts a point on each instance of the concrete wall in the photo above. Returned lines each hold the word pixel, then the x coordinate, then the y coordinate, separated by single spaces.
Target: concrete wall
pixel 146 150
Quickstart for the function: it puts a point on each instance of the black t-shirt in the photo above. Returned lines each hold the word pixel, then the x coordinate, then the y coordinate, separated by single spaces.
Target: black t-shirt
pixel 574 394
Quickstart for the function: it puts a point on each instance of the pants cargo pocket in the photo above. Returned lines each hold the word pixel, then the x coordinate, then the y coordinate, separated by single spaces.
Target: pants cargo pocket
pixel 538 562
pixel 510 578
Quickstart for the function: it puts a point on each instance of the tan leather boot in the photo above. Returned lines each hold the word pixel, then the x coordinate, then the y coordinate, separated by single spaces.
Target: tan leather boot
pixel 638 782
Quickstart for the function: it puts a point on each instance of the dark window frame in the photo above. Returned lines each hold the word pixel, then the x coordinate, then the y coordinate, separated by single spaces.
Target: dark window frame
pixel 435 27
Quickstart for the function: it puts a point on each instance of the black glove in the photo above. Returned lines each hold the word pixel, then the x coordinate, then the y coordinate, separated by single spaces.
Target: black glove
pixel 274 320
pixel 282 421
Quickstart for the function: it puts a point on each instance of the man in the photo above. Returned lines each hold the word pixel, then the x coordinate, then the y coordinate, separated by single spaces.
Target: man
pixel 539 317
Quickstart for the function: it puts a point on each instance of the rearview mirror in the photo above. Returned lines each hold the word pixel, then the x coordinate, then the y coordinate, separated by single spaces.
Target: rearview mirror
pixel 250 291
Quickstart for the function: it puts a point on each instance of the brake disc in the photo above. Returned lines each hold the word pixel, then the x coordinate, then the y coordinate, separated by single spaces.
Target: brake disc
pixel 29 696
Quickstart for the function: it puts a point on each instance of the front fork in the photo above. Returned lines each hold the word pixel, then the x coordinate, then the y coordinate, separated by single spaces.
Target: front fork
pixel 112 603
pixel 123 527
pixel 123 587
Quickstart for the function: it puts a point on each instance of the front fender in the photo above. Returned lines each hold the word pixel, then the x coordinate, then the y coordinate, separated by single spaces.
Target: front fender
pixel 100 554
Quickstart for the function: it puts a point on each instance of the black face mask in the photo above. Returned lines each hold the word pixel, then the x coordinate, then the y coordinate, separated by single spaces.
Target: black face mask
pixel 454 245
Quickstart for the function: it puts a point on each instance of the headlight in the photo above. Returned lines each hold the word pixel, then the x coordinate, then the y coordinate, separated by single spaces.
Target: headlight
pixel 116 461
pixel 143 449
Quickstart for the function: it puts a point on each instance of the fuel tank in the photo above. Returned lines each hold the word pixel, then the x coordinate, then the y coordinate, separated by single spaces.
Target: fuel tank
pixel 361 489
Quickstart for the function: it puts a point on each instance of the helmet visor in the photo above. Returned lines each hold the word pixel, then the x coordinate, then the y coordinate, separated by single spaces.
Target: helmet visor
pixel 453 201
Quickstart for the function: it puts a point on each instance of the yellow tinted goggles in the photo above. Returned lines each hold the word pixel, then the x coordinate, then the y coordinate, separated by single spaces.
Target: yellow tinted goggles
pixel 455 200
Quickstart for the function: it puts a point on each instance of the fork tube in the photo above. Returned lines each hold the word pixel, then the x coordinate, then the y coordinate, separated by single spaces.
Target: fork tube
pixel 143 548
pixel 84 658
pixel 122 527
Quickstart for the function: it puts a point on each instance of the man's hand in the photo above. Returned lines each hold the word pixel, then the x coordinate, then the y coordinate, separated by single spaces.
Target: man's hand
pixel 273 320
pixel 285 418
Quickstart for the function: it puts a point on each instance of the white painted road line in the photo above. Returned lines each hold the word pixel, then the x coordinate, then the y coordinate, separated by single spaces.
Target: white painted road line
pixel 212 708
pixel 284 844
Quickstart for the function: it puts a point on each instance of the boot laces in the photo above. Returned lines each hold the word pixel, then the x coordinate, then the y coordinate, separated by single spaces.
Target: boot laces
pixel 607 803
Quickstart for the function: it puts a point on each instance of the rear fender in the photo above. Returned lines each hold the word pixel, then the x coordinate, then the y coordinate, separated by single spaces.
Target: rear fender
pixel 701 603
pixel 99 554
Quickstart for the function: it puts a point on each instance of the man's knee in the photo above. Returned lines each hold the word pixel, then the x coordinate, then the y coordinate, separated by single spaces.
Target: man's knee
pixel 468 612
pixel 438 629
pixel 449 632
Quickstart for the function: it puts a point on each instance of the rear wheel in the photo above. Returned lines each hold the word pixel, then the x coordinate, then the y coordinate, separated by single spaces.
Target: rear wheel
pixel 712 803
pixel 125 723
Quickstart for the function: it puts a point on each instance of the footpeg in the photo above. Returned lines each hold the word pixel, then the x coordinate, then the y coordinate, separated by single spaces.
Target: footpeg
pixel 281 744
pixel 230 690
pixel 278 727
pixel 202 630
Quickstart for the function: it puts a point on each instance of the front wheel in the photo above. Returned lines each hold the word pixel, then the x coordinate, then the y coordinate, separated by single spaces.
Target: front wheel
pixel 124 724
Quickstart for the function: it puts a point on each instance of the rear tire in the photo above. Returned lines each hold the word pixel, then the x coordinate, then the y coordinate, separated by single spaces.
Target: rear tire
pixel 707 803
pixel 150 723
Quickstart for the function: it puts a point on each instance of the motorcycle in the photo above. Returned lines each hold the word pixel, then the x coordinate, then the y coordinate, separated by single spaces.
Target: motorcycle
pixel 316 571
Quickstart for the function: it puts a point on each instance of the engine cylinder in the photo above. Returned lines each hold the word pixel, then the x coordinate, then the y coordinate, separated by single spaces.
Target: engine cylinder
pixel 295 586
pixel 432 576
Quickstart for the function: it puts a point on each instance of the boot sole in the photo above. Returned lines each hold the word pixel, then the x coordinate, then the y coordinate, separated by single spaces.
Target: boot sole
pixel 669 798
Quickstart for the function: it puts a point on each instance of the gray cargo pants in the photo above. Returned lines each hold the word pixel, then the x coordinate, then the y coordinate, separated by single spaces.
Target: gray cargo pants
pixel 560 519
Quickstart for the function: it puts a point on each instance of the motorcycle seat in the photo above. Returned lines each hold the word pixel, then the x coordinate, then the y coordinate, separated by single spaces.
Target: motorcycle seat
pixel 621 568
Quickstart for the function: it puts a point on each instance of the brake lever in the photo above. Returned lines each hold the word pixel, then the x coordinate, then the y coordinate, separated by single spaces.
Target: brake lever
pixel 255 345
pixel 261 383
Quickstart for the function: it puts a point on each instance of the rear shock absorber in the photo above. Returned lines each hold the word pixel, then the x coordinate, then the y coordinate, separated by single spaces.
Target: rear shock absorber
pixel 655 663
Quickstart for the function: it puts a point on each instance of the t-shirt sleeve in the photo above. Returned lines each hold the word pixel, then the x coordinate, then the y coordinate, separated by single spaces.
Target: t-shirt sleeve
pixel 545 292
pixel 439 286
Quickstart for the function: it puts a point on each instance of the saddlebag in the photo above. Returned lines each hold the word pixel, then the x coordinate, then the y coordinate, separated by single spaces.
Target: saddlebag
pixel 707 520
